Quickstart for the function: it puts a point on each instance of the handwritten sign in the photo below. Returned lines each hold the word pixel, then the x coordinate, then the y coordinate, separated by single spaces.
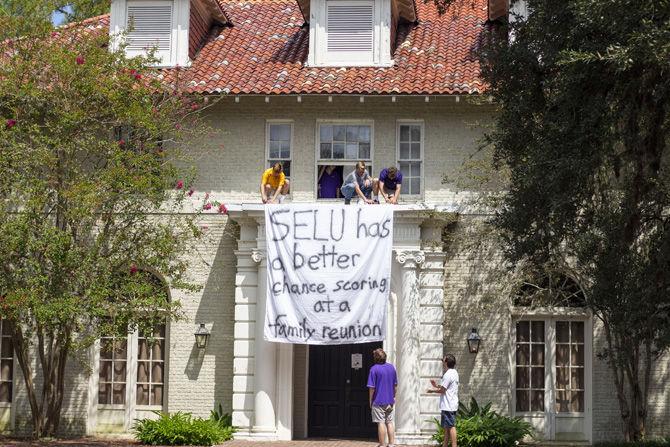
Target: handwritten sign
pixel 329 272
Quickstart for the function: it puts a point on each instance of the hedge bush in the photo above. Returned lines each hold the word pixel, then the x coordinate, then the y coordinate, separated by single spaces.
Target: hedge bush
pixel 482 427
pixel 183 429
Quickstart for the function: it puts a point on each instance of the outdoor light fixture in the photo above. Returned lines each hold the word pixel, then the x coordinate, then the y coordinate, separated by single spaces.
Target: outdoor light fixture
pixel 201 336
pixel 473 341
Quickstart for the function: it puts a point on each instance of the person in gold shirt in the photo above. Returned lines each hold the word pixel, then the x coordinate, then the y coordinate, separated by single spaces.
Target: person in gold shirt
pixel 274 185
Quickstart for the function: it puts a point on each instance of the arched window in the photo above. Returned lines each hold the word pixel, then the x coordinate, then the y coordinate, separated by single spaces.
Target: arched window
pixel 132 368
pixel 549 289
pixel 552 352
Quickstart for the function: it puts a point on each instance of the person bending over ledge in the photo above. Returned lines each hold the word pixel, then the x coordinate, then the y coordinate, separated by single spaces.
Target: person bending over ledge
pixel 274 185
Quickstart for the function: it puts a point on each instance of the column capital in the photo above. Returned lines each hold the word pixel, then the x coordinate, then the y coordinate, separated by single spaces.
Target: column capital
pixel 257 255
pixel 416 256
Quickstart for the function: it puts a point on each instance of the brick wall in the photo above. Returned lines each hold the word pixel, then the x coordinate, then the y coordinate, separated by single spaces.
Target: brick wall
pixel 229 163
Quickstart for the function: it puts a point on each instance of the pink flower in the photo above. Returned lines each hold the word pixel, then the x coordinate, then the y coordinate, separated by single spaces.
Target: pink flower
pixel 54 34
pixel 180 184
pixel 133 269
pixel 177 126
pixel 194 107
pixel 122 142
pixel 10 123
pixel 133 71
pixel 206 195
pixel 80 60
pixel 208 206
pixel 223 209
pixel 190 192
pixel 138 76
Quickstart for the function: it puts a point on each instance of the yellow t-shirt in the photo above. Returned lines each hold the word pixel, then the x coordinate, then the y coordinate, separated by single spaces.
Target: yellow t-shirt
pixel 274 181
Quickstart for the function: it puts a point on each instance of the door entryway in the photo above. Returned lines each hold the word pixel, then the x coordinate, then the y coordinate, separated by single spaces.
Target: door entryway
pixel 337 392
pixel 552 370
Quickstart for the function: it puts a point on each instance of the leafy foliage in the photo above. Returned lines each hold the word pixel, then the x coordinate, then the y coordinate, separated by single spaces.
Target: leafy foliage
pixel 92 187
pixel 181 429
pixel 473 409
pixel 223 419
pixel 481 427
pixel 582 131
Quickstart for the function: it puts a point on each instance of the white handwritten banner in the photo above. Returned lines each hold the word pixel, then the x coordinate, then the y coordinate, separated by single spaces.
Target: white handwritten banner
pixel 329 272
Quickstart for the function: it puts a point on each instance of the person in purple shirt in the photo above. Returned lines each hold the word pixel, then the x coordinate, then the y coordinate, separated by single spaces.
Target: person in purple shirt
pixel 390 182
pixel 382 384
pixel 330 181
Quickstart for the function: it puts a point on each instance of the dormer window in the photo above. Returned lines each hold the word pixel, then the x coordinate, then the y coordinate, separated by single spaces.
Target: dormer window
pixel 345 33
pixel 175 28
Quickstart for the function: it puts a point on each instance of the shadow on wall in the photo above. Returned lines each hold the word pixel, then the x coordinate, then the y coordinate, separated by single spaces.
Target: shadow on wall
pixel 474 293
pixel 217 310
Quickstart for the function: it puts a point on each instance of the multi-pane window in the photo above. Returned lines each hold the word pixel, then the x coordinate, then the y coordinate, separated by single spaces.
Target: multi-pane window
pixel 113 367
pixel 6 363
pixel 530 353
pixel 569 366
pixel 344 142
pixel 342 145
pixel 409 157
pixel 279 145
pixel 151 366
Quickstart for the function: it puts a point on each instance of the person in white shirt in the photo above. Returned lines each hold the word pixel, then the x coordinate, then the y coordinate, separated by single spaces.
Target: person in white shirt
pixel 448 390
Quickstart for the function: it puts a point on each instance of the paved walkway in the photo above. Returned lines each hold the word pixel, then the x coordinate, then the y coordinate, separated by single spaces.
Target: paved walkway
pixel 91 442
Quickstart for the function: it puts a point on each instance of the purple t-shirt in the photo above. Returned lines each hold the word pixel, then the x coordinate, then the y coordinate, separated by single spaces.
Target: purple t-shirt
pixel 390 185
pixel 330 183
pixel 383 379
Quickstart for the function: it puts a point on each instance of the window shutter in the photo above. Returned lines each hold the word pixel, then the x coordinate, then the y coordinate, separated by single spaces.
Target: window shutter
pixel 349 26
pixel 150 26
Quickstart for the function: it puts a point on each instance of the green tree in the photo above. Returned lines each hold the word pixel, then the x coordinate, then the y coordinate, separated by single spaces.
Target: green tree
pixel 90 194
pixel 583 90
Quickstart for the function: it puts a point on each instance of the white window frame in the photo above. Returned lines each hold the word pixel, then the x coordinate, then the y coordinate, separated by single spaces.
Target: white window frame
pixel 272 122
pixel 9 406
pixel 340 161
pixel 550 316
pixel 130 408
pixel 381 38
pixel 411 122
pixel 179 42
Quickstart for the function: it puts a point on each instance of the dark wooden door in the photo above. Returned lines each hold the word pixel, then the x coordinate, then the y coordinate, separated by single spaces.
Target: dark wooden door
pixel 338 393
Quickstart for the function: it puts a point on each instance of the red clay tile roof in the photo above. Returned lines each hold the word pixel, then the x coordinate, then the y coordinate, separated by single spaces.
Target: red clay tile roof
pixel 265 53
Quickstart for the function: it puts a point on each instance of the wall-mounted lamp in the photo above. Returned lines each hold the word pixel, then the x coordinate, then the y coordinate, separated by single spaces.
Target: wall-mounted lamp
pixel 473 341
pixel 201 336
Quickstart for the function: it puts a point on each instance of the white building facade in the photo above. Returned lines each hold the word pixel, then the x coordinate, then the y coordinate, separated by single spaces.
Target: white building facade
pixel 411 98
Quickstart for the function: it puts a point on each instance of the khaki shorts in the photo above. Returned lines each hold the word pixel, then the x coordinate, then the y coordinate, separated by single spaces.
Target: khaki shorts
pixel 383 413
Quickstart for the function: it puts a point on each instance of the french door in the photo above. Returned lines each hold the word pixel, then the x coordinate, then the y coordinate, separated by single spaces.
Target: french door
pixel 551 376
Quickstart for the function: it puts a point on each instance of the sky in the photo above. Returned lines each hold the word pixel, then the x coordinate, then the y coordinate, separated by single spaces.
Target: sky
pixel 57 18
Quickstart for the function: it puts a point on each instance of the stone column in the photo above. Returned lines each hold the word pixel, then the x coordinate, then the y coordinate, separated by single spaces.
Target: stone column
pixel 408 349
pixel 265 383
pixel 246 290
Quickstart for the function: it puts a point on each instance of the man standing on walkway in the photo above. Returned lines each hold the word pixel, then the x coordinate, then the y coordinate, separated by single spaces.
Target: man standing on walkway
pixel 448 390
pixel 382 384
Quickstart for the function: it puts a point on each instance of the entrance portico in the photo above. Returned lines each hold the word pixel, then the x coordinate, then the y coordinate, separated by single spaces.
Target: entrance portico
pixel 270 393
